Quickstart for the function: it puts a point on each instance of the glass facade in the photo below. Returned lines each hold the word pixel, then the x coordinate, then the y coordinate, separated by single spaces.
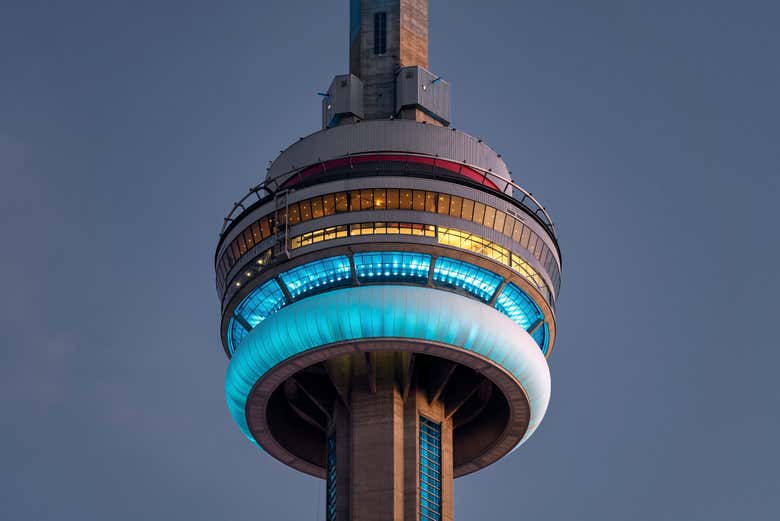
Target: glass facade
pixel 447 236
pixel 390 199
pixel 330 487
pixel 430 470
pixel 524 312
pixel 317 275
pixel 465 276
pixel 255 308
pixel 387 267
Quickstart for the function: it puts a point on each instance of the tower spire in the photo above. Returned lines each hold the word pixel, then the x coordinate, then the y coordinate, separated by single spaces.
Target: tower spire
pixel 387 38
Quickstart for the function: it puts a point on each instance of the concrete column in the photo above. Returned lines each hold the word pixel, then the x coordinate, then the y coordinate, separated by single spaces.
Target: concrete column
pixel 377 438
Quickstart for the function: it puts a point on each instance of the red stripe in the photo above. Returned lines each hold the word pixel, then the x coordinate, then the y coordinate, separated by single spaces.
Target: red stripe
pixel 450 166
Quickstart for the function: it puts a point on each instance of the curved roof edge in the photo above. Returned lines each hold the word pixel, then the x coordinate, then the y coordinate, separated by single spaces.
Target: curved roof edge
pixel 390 135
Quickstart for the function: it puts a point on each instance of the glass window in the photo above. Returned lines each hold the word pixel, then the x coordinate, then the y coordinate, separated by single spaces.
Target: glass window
pixel 468 209
pixel 317 275
pixel 265 227
pixel 330 511
pixel 341 202
pixel 514 303
pixel 241 245
pixel 444 204
pixel 380 33
pixel 508 225
pixel 430 202
pixel 316 207
pixel 380 198
pixel 250 241
pixel 383 266
pixel 456 205
pixel 518 231
pixel 479 213
pixel 366 199
pixel 405 200
pixel 328 204
pixel 256 233
pixel 430 470
pixel 490 215
pixel 255 308
pixel 532 244
pixel 465 276
pixel 354 201
pixel 305 210
pixel 418 200
pixel 498 225
pixel 392 199
pixel 295 213
pixel 526 236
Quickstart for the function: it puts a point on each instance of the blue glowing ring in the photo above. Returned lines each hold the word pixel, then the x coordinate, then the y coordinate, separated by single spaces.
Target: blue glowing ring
pixel 388 311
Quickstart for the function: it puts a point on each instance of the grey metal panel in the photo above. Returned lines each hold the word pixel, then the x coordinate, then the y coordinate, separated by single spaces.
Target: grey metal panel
pixel 388 136
pixel 345 98
pixel 419 87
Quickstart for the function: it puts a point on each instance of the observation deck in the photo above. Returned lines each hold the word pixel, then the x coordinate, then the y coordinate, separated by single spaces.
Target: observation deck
pixel 388 291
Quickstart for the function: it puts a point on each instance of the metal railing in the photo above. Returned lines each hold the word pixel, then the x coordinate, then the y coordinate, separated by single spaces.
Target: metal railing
pixel 268 188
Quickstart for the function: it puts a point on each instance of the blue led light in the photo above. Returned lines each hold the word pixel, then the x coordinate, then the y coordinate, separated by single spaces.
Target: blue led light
pixel 382 266
pixel 388 311
pixel 255 308
pixel 462 275
pixel 542 337
pixel 385 267
pixel 523 311
pixel 317 275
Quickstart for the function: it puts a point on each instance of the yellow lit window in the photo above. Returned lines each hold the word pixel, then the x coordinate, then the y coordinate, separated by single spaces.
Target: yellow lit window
pixel 354 201
pixel 329 204
pixel 430 202
pixel 392 199
pixel 456 205
pixel 444 204
pixel 366 199
pixel 405 200
pixel 479 213
pixel 256 233
pixel 380 199
pixel 468 209
pixel 316 207
pixel 490 215
pixel 418 200
pixel 265 227
pixel 498 225
pixel 341 202
pixel 305 210
pixel 295 214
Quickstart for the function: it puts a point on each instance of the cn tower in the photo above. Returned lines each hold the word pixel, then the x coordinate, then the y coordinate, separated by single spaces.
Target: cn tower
pixel 388 290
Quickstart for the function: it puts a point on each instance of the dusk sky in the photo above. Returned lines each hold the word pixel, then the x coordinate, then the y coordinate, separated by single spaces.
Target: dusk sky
pixel 650 129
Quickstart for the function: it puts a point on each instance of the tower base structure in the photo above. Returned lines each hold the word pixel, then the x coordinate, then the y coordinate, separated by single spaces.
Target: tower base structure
pixel 389 393
pixel 390 449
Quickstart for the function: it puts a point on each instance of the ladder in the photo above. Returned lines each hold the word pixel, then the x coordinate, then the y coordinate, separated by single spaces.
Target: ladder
pixel 281 224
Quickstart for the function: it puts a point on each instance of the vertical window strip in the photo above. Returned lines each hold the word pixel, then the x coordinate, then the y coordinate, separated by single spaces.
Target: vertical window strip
pixel 430 470
pixel 330 505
